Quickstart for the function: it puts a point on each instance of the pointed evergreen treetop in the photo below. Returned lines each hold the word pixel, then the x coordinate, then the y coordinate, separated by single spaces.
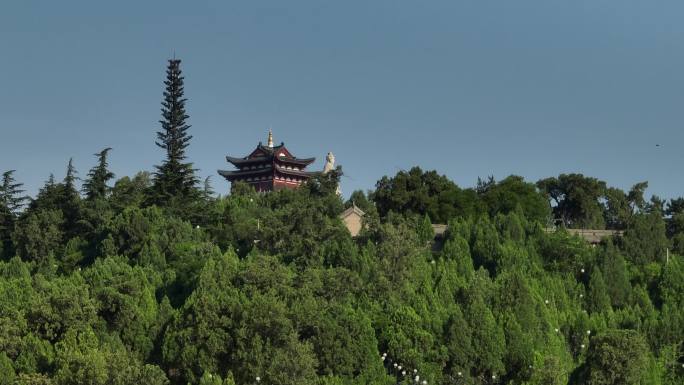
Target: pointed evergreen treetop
pixel 70 178
pixel 208 190
pixel 95 187
pixel 173 137
pixel 11 193
pixel 69 201
pixel 70 196
pixel 174 178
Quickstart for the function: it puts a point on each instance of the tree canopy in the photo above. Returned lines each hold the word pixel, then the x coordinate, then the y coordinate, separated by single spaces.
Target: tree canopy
pixel 148 280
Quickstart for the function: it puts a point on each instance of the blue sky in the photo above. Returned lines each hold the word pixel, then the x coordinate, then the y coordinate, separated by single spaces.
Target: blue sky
pixel 469 88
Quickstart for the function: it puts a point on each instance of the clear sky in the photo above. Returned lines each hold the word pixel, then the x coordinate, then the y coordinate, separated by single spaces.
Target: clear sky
pixel 469 88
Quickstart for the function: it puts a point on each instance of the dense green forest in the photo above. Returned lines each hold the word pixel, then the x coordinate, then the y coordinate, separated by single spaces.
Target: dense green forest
pixel 154 279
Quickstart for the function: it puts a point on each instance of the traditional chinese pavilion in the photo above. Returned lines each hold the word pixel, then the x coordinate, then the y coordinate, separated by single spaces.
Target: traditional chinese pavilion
pixel 269 168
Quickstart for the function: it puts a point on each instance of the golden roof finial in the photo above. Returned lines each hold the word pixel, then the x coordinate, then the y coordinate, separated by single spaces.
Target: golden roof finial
pixel 270 138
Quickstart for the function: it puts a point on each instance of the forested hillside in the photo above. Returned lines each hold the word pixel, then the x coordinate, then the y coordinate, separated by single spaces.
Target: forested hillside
pixel 106 288
pixel 152 279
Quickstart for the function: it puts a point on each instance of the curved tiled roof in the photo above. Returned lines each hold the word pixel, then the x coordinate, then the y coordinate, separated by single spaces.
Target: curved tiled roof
pixel 234 174
pixel 269 155
pixel 273 163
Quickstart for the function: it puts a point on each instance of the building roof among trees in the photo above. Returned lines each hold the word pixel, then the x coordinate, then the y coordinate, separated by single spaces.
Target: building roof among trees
pixel 353 210
pixel 266 154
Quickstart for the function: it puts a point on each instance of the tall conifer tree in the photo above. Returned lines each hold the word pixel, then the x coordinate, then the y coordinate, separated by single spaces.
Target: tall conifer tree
pixel 11 201
pixel 11 194
pixel 70 177
pixel 174 180
pixel 69 201
pixel 95 187
pixel 48 195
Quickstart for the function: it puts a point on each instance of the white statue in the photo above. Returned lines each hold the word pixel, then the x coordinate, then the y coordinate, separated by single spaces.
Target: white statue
pixel 329 163
pixel 329 166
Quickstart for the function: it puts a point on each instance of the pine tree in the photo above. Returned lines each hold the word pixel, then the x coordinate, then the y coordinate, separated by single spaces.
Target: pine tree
pixel 616 276
pixel 490 346
pixel 6 226
pixel 174 180
pixel 69 201
pixel 96 210
pixel 208 191
pixel 425 231
pixel 458 343
pixel 48 195
pixel 95 187
pixel 11 201
pixel 11 193
pixel 598 299
pixel 70 178
pixel 59 196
